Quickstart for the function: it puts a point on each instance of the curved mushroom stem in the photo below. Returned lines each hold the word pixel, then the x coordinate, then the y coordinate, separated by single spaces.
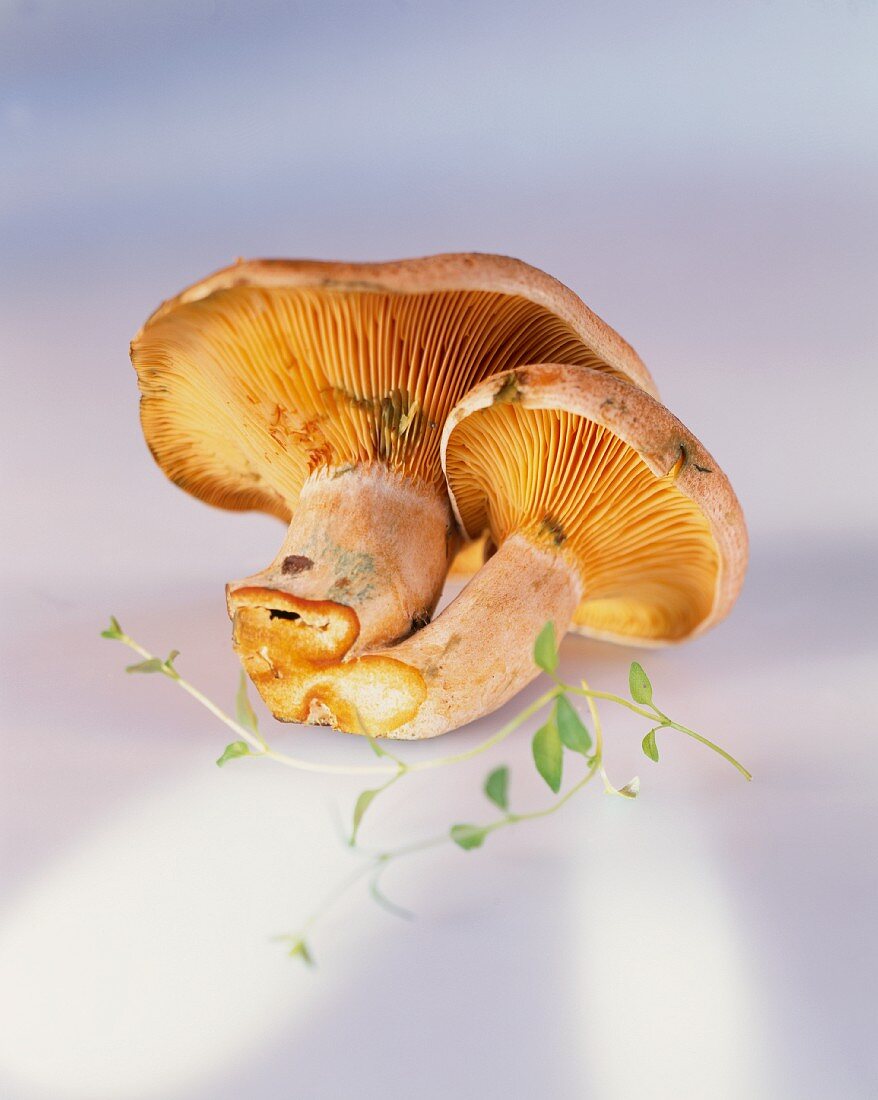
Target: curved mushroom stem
pixel 363 564
pixel 477 654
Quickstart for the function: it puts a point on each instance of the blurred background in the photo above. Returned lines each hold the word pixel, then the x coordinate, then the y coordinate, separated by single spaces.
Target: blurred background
pixel 704 176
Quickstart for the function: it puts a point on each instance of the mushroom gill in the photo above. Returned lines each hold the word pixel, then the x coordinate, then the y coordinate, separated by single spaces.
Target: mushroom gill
pixel 249 390
pixel 644 550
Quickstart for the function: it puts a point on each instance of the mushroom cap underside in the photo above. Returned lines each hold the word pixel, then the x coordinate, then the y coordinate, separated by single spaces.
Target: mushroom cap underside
pixel 595 467
pixel 270 369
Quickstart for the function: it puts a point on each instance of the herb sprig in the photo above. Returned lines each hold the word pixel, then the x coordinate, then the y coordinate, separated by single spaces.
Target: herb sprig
pixel 562 732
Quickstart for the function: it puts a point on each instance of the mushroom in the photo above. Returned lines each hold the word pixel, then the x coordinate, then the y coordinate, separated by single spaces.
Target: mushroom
pixel 317 392
pixel 610 518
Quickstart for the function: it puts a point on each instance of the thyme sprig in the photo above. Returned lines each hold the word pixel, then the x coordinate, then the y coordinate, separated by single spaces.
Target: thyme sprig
pixel 562 732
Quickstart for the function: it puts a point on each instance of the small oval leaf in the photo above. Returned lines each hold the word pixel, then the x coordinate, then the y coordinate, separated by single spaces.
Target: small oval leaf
pixel 548 753
pixel 152 665
pixel 364 801
pixel 168 665
pixel 497 787
pixel 468 836
pixel 650 748
pixel 546 649
pixel 638 684
pixel 571 728
pixel 113 631
pixel 236 748
pixel 376 748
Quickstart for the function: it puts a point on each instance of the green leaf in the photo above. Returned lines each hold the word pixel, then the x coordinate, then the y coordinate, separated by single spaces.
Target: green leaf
pixel 244 712
pixel 364 801
pixel 468 836
pixel 650 748
pixel 168 664
pixel 638 683
pixel 154 664
pixel 549 754
pixel 300 950
pixel 236 748
pixel 546 649
pixel 571 728
pixel 113 630
pixel 497 787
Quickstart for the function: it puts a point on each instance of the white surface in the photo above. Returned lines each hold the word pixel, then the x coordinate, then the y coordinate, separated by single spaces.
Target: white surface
pixel 705 176
pixel 711 939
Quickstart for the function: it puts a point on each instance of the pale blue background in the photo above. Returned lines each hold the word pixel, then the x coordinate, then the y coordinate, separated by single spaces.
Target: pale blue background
pixel 704 175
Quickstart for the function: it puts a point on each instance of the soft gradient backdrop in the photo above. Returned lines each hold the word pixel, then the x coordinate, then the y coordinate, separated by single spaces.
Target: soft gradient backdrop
pixel 704 175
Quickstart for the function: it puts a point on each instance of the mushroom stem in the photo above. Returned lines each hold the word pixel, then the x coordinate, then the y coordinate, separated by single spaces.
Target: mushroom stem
pixel 363 564
pixel 477 654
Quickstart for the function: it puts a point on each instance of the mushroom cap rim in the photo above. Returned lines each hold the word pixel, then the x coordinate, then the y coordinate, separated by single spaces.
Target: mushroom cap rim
pixel 450 271
pixel 658 437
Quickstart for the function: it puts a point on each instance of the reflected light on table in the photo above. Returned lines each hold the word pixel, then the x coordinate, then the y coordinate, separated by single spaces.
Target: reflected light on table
pixel 668 999
pixel 142 962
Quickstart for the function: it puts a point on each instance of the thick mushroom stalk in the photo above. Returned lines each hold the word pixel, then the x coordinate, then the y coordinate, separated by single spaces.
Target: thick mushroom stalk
pixel 610 518
pixel 479 651
pixel 477 654
pixel 364 561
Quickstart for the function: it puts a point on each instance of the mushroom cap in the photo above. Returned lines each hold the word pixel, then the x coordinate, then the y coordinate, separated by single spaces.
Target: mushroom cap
pixel 269 369
pixel 594 466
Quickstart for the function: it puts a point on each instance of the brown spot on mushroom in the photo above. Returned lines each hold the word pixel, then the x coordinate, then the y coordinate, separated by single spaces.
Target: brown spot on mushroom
pixel 295 563
pixel 551 528
pixel 319 456
pixel 508 393
pixel 684 452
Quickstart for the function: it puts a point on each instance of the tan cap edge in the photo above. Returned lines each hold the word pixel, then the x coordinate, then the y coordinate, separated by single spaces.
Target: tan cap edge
pixel 660 439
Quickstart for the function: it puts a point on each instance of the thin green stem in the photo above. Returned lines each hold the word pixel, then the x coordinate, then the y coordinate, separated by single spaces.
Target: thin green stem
pixel 495 739
pixel 376 862
pixel 379 860
pixel 590 697
pixel 255 742
pixel 327 769
pixel 598 736
pixel 710 744
pixel 190 689
pixel 513 819
pixel 501 822
pixel 589 693
pixel 352 841
pixel 665 722
pixel 396 769
pixel 334 895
